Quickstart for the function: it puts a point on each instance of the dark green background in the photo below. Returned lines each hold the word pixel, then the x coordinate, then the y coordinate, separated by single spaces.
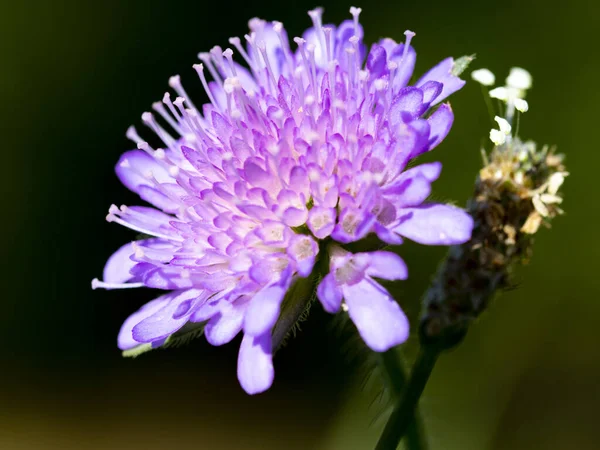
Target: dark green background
pixel 74 75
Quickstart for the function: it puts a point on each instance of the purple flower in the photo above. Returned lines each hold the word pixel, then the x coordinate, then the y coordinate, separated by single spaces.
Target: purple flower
pixel 295 156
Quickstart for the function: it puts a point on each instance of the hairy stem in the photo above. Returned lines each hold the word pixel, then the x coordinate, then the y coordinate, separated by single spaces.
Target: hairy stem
pixel 403 415
pixel 294 305
pixel 392 364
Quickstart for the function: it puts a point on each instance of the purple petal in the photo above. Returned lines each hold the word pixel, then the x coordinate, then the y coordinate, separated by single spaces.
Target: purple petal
pixel 377 61
pixel 409 191
pixel 223 327
pixel 119 264
pixel 158 199
pixel 170 318
pixel 209 309
pixel 257 176
pixel 167 277
pixel 294 217
pixel 263 310
pixel 329 294
pixel 387 236
pixel 440 123
pixel 408 103
pixel 435 224
pixel 431 90
pixel 387 265
pixel 443 73
pixel 125 340
pixel 255 363
pixel 134 166
pixel 431 171
pixel 321 221
pixel 303 250
pixel 379 319
pixel 406 63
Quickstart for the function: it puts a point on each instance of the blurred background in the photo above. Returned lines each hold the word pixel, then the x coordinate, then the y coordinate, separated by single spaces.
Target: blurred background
pixel 74 75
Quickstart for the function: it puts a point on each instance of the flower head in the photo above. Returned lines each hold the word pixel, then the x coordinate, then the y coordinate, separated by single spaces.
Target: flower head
pixel 295 156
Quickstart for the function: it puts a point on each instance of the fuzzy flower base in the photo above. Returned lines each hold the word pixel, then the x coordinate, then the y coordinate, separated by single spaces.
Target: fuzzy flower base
pixel 296 155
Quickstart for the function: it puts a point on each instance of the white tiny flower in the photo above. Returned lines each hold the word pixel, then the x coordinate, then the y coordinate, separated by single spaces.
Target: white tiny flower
pixel 550 199
pixel 503 124
pixel 521 105
pixel 501 93
pixel 555 182
pixel 519 78
pixel 497 137
pixel 539 206
pixel 483 76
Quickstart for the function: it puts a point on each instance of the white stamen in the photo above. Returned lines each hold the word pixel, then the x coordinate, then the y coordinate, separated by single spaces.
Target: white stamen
pixel 175 83
pixel 355 13
pixel 539 206
pixel 519 78
pixel 263 51
pixel 235 41
pixel 409 35
pixel 501 93
pixel 228 53
pixel 555 182
pixel 207 60
pixel 132 135
pixel 199 68
pixel 521 105
pixel 160 109
pixel 96 283
pixel 380 84
pixel 497 137
pixel 550 199
pixel 484 77
pixel 504 125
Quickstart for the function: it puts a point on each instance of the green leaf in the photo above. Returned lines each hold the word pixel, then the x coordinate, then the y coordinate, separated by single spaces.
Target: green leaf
pixel 461 64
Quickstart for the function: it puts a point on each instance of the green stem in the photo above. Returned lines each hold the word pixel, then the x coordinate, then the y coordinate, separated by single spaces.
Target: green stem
pixel 403 414
pixel 393 365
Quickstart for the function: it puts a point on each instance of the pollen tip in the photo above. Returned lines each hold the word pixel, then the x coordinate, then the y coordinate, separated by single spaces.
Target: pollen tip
pixel 484 77
pixel 147 117
pixel 175 81
pixel 95 283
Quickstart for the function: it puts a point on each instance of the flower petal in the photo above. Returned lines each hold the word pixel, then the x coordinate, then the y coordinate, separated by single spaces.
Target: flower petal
pixel 379 319
pixel 255 363
pixel 407 104
pixel 263 310
pixel 431 171
pixel 387 265
pixel 134 166
pixel 440 122
pixel 435 224
pixel 223 327
pixel 329 294
pixel 409 191
pixel 125 340
pixel 170 318
pixel 119 264
pixel 442 73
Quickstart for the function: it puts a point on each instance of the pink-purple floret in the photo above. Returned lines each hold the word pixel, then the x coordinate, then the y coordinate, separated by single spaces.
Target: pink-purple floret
pixel 298 154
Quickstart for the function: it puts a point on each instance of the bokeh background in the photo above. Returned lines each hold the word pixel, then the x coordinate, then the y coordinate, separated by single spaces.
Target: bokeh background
pixel 74 75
